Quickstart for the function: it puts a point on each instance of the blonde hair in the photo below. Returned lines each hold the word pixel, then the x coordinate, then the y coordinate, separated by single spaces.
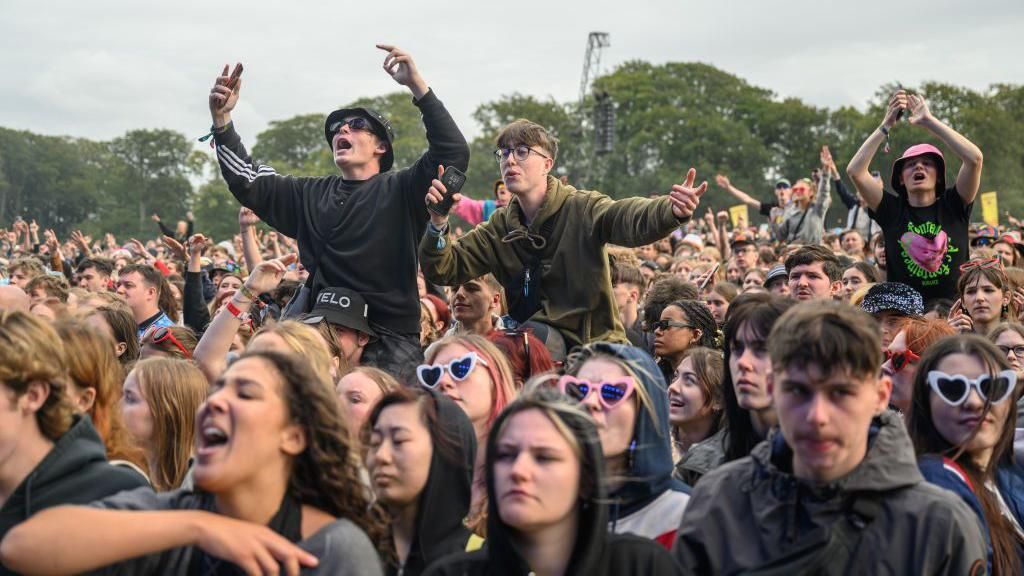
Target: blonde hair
pixel 386 382
pixel 30 352
pixel 307 342
pixel 173 389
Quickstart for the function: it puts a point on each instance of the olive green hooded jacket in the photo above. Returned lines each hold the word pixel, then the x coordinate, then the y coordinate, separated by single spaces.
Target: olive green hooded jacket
pixel 573 227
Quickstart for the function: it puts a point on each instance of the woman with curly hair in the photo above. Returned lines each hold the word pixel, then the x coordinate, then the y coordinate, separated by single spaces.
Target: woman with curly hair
pixel 277 487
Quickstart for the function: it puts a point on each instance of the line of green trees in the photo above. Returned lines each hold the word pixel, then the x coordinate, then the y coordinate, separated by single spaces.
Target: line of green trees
pixel 669 117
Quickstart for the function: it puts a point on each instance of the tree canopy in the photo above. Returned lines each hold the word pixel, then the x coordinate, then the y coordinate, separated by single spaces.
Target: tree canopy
pixel 669 117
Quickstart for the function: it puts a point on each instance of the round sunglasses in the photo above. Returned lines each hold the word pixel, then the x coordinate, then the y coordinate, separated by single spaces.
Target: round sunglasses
pixel 954 389
pixel 460 368
pixel 610 394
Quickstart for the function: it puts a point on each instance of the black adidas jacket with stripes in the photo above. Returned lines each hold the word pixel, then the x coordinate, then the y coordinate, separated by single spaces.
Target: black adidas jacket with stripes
pixel 364 233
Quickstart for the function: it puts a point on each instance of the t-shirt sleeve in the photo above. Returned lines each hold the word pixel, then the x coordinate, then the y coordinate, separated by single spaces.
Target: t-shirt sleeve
pixel 955 205
pixel 887 212
pixel 343 550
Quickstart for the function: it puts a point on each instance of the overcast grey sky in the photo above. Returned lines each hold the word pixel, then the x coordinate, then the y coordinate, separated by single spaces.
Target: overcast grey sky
pixel 99 68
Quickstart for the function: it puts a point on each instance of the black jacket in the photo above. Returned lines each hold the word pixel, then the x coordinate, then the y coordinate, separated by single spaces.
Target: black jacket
pixel 76 471
pixel 365 234
pixel 194 311
pixel 595 553
pixel 444 502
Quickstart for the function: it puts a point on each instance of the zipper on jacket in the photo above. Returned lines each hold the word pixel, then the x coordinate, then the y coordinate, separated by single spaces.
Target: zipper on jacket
pixel 526 283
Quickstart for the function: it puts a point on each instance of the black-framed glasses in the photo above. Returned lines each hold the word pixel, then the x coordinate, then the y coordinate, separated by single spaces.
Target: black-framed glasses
pixel 521 153
pixel 357 123
pixel 1018 350
pixel 663 325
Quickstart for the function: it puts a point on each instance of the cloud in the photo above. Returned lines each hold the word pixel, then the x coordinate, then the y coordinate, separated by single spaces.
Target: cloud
pixel 98 69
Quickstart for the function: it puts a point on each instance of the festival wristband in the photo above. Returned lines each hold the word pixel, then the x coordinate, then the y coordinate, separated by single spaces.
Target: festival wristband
pixel 234 311
pixel 247 293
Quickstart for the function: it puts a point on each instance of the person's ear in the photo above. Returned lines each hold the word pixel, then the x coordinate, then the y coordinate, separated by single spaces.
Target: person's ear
pixel 34 397
pixel 634 295
pixel 120 349
pixel 86 400
pixel 884 394
pixel 293 440
pixel 362 339
pixel 837 288
pixel 698 334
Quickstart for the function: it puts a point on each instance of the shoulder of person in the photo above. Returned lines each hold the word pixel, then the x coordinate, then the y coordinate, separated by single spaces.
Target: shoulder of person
pixel 145 498
pixel 343 548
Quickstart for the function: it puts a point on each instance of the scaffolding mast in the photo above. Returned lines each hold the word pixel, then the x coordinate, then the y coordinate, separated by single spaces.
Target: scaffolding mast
pixel 596 43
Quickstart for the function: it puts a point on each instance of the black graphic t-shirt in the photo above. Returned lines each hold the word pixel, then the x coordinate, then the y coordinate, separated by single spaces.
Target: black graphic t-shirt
pixel 924 247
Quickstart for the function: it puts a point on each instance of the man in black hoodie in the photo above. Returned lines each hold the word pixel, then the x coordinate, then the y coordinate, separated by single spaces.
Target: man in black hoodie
pixel 360 229
pixel 47 456
pixel 837 485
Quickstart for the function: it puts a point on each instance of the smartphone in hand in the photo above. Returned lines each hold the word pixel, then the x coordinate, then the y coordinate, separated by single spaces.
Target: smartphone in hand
pixel 453 180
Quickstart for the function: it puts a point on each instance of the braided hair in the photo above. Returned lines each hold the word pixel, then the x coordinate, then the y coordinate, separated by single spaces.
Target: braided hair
pixel 700 316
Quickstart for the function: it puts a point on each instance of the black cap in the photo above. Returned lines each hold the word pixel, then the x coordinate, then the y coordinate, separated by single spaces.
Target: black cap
pixel 381 127
pixel 340 306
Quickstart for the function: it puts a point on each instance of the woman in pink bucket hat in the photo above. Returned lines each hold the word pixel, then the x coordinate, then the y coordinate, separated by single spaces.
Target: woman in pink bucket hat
pixel 924 223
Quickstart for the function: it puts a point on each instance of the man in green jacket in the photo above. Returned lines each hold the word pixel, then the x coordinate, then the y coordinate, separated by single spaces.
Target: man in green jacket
pixel 547 246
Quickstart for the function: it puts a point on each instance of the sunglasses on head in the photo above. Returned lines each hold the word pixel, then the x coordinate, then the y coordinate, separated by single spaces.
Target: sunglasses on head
pixel 610 394
pixel 430 375
pixel 988 264
pixel 162 334
pixel 900 360
pixel 954 389
pixel 357 123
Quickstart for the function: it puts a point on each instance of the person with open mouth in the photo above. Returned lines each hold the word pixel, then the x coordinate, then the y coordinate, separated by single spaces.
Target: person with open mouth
pixel 695 412
pixel 924 223
pixel 276 489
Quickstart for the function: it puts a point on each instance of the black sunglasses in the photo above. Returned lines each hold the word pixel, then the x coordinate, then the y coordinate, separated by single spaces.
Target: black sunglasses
pixel 666 324
pixel 357 123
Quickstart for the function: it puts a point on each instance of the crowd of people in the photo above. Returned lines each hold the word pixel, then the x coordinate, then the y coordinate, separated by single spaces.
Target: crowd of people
pixel 570 384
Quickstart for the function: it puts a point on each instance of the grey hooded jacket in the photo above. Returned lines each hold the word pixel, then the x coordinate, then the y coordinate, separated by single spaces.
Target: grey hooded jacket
pixel 748 514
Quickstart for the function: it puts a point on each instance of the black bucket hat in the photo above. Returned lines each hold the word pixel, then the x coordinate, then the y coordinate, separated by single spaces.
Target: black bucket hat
pixel 381 127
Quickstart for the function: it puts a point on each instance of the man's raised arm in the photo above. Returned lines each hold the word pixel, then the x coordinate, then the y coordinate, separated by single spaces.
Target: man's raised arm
pixel 275 199
pixel 446 145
